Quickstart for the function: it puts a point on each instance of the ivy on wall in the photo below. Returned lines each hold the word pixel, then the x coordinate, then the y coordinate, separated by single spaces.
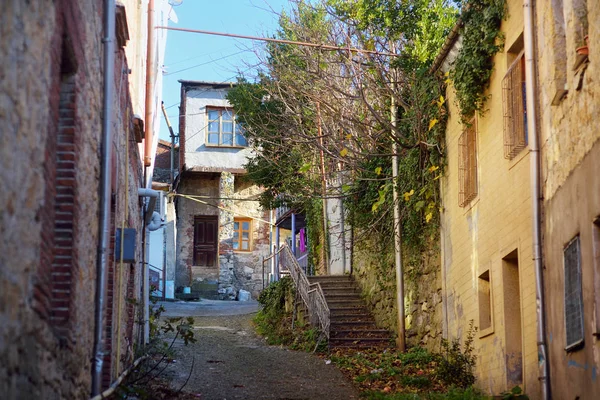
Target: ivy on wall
pixel 481 40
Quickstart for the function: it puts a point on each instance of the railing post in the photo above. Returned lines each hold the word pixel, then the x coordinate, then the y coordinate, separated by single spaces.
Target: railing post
pixel 277 253
pixel 294 234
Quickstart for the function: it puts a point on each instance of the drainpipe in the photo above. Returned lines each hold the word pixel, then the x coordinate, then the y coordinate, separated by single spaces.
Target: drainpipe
pixel 530 86
pixel 149 85
pixel 105 193
pixel 151 224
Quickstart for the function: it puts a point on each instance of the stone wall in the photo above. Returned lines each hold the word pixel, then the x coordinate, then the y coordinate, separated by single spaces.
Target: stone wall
pixel 203 185
pixel 373 269
pixel 51 112
pixel 236 270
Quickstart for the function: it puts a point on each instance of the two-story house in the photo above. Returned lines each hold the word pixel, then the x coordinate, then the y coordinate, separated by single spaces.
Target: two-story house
pixel 222 234
pixel 486 222
pixel 521 221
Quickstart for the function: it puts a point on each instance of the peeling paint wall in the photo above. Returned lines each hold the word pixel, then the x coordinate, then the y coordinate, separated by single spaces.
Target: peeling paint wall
pixel 197 153
pixel 570 149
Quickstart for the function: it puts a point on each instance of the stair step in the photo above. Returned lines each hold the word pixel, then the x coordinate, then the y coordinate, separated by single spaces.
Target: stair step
pixel 361 346
pixel 330 278
pixel 352 319
pixel 345 304
pixel 373 331
pixel 340 290
pixel 341 295
pixel 335 342
pixel 358 325
pixel 339 310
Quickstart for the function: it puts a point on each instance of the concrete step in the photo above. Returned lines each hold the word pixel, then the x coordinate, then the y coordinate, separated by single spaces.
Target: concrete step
pixel 342 296
pixel 360 342
pixel 340 325
pixel 351 319
pixel 335 304
pixel 360 334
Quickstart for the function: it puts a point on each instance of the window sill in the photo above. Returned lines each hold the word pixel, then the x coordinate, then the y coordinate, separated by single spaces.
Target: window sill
pixel 470 205
pixel 216 146
pixel 486 332
pixel 575 346
pixel 517 159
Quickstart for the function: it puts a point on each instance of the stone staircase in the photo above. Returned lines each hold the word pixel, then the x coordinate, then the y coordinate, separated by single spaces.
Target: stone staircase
pixel 352 324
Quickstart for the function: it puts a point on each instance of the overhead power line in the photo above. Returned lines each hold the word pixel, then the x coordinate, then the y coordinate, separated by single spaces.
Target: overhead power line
pixel 283 41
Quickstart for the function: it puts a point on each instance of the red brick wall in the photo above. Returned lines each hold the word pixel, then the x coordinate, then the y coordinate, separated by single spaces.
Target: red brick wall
pixel 53 288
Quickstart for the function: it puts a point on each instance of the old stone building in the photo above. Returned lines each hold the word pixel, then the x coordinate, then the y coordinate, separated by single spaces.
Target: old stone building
pixel 486 223
pixel 568 43
pixel 53 163
pixel 222 234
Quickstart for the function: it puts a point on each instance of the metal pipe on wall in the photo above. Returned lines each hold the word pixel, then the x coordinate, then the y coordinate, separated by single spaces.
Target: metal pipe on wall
pixel 531 99
pixel 149 85
pixel 105 194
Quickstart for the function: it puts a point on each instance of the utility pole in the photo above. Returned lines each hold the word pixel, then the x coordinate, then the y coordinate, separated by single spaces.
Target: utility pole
pixel 173 136
pixel 324 247
pixel 400 341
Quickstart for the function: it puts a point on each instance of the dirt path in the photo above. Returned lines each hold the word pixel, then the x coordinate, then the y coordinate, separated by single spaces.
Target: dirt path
pixel 231 362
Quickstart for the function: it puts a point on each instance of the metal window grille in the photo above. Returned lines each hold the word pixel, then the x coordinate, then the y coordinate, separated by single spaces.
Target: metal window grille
pixel 573 294
pixel 514 108
pixel 467 164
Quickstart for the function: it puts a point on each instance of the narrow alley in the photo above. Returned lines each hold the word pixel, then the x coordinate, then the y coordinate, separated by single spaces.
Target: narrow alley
pixel 229 361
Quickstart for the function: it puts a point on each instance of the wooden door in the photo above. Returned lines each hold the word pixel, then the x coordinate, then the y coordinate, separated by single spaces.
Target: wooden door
pixel 205 241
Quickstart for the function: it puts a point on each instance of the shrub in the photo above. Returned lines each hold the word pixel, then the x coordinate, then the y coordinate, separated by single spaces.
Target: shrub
pixel 456 363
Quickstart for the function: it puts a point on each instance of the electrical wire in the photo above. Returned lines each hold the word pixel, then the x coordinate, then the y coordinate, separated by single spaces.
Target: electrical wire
pixel 204 63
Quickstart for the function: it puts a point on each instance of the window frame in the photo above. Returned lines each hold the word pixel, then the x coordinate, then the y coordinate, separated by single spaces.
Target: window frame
pixel 485 296
pixel 237 130
pixel 578 342
pixel 467 164
pixel 596 264
pixel 240 231
pixel 514 108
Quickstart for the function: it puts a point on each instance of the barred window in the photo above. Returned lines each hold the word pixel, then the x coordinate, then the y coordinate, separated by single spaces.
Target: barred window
pixel 467 164
pixel 573 295
pixel 514 108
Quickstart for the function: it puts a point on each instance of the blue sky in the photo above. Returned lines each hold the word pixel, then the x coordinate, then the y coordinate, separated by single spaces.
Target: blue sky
pixel 194 56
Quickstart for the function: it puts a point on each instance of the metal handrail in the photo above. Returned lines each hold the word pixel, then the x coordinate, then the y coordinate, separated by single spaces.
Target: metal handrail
pixel 311 293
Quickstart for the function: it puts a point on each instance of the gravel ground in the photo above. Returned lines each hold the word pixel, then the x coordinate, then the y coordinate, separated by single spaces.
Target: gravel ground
pixel 231 362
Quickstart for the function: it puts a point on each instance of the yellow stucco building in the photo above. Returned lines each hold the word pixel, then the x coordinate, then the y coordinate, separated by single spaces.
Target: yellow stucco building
pixel 486 223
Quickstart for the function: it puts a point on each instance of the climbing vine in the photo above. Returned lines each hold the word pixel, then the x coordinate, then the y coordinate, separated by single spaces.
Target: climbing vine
pixel 481 40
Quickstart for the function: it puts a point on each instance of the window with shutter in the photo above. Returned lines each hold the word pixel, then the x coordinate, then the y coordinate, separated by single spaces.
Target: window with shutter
pixel 467 164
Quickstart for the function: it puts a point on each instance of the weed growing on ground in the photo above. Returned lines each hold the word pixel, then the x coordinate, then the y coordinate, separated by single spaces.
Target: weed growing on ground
pixel 145 382
pixel 274 320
